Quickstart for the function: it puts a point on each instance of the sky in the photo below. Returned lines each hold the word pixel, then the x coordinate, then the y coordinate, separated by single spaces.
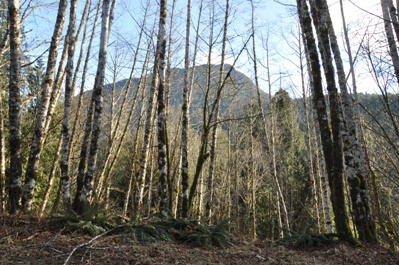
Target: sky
pixel 274 21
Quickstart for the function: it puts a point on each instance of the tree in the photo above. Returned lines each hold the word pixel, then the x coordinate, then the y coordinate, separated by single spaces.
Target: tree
pixel 215 118
pixel 185 116
pixel 187 88
pixel 42 118
pixel 161 49
pixel 291 161
pixel 67 108
pixel 331 139
pixel 355 161
pixel 93 124
pixel 14 103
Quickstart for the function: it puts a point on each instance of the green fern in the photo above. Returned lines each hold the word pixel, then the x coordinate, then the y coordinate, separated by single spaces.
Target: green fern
pixel 207 235
pixel 168 228
pixel 306 239
pixel 94 220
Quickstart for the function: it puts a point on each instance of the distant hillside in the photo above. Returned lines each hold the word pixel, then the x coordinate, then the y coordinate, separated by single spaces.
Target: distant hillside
pixel 371 108
pixel 237 92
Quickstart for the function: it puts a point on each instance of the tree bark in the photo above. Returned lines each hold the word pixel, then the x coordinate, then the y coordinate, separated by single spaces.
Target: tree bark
pixel 40 132
pixel 2 158
pixel 161 49
pixel 393 49
pixel 82 85
pixel 187 86
pixel 332 145
pixel 212 151
pixel 66 197
pixel 355 170
pixel 14 103
pixel 185 116
pixel 51 177
pixel 93 125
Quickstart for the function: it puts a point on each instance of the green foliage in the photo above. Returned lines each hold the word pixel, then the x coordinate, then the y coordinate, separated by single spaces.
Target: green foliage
pixel 150 232
pixel 93 221
pixel 306 239
pixel 172 229
pixel 208 235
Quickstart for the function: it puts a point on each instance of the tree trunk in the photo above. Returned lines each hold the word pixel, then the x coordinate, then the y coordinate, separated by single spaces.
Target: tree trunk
pixel 66 197
pixel 338 196
pixel 209 205
pixel 308 132
pixel 2 158
pixel 185 116
pixel 93 125
pixel 355 170
pixel 187 86
pixel 84 72
pixel 140 180
pixel 161 49
pixel 32 169
pixel 332 146
pixel 51 177
pixel 3 44
pixel 14 104
pixel 393 49
pixel 140 87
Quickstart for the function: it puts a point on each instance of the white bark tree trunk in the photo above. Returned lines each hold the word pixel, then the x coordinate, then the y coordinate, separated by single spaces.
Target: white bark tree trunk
pixel 161 125
pixel 185 115
pixel 66 197
pixel 39 136
pixel 356 171
pixel 393 49
pixel 215 120
pixel 94 123
pixel 14 103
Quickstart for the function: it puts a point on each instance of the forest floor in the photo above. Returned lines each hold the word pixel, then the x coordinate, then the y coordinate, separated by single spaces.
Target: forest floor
pixel 27 240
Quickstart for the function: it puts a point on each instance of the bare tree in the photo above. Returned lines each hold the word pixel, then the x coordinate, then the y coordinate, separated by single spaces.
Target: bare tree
pixel 32 169
pixel 66 198
pixel 93 123
pixel 187 86
pixel 331 140
pixel 356 165
pixel 161 49
pixel 14 106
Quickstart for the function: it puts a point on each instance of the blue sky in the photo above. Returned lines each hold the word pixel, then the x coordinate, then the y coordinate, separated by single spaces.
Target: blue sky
pixel 273 20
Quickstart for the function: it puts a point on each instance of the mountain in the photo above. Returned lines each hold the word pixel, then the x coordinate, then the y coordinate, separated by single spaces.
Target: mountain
pixel 237 91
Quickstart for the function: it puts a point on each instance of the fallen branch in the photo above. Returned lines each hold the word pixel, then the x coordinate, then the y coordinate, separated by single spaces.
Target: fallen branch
pixel 91 241
pixel 85 244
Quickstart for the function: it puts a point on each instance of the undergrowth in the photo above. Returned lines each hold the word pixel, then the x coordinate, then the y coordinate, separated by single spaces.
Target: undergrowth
pixel 163 228
pixel 306 238
pixel 157 228
pixel 92 221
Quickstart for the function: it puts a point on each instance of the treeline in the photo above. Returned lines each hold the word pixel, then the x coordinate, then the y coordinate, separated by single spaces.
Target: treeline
pixel 198 141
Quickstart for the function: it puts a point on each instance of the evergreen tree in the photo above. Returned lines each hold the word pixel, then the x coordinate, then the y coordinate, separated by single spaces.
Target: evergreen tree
pixel 291 155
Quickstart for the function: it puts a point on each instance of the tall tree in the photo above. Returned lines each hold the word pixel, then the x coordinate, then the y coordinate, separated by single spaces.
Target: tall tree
pixel 185 115
pixel 93 124
pixel 187 87
pixel 386 6
pixel 331 139
pixel 161 49
pixel 215 120
pixel 140 179
pixel 39 136
pixel 67 107
pixel 356 165
pixel 14 104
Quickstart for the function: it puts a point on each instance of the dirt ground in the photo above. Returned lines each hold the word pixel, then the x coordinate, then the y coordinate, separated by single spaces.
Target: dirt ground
pixel 27 240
